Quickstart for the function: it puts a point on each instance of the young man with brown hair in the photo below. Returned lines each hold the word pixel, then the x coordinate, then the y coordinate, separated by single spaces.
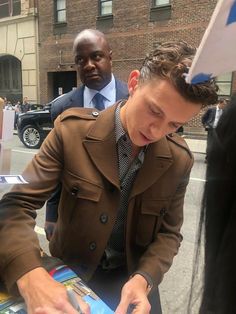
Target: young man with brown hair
pixel 124 175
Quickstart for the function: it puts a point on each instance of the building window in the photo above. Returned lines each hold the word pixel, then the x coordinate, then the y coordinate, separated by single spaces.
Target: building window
pixel 157 3
pixel 105 7
pixel 60 11
pixel 224 82
pixel 160 10
pixel 10 8
pixel 10 78
pixel 10 73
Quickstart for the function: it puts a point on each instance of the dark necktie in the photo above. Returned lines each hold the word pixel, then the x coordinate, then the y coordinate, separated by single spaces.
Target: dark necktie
pixel 98 101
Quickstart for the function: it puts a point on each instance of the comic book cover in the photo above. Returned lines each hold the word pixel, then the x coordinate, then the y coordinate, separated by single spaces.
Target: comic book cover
pixel 63 274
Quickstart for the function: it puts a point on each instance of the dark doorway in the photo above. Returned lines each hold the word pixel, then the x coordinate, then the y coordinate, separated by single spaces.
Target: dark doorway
pixel 10 78
pixel 63 82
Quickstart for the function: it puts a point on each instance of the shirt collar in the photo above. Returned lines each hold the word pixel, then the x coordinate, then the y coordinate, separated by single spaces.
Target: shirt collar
pixel 106 91
pixel 118 125
pixel 120 132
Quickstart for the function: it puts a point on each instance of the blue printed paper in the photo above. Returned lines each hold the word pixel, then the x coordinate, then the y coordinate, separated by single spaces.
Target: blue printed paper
pixel 63 274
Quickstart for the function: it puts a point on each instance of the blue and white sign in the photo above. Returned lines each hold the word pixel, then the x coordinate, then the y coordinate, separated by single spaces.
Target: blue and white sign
pixel 217 51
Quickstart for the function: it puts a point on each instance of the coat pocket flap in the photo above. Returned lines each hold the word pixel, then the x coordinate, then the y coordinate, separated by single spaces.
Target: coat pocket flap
pixel 82 188
pixel 155 207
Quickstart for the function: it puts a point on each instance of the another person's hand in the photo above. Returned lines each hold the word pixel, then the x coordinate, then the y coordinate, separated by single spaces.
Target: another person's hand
pixel 49 228
pixel 134 293
pixel 43 295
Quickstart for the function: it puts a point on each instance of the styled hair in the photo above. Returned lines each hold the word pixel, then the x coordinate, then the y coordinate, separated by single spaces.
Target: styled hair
pixel 171 61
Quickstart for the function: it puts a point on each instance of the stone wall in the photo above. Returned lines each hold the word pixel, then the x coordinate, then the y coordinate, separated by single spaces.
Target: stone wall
pixel 19 37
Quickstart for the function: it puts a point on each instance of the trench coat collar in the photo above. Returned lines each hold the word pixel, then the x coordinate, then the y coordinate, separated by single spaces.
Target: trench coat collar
pixel 158 159
pixel 100 144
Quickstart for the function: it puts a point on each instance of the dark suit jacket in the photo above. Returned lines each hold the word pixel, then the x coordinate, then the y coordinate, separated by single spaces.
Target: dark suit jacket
pixel 91 188
pixel 75 98
pixel 209 117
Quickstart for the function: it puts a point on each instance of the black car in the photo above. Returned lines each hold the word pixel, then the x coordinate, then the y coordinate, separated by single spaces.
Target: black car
pixel 34 125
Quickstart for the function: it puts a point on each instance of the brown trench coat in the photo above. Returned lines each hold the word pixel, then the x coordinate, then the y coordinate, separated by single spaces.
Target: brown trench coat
pixel 81 153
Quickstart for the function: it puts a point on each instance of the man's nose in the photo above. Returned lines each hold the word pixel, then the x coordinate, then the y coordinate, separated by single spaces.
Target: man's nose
pixel 89 64
pixel 157 131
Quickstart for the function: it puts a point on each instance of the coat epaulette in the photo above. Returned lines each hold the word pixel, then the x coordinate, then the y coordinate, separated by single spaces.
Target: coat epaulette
pixel 180 142
pixel 81 113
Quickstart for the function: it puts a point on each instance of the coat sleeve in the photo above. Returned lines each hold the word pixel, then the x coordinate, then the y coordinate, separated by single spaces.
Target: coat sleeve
pixel 57 106
pixel 19 249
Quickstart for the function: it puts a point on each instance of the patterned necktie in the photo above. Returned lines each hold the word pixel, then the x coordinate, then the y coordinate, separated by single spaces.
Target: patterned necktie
pixel 98 101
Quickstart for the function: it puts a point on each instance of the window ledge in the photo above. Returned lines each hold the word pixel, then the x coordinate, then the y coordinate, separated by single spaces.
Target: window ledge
pixel 59 28
pixel 60 24
pixel 161 7
pixel 105 17
pixel 160 13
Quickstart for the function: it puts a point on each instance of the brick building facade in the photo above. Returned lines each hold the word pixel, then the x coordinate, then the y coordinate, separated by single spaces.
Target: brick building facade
pixel 19 50
pixel 132 28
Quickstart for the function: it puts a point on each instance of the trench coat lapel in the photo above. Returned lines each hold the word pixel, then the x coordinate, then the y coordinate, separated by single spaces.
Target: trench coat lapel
pixel 101 145
pixel 158 159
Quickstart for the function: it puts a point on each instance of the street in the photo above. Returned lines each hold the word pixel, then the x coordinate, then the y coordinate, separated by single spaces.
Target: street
pixel 176 284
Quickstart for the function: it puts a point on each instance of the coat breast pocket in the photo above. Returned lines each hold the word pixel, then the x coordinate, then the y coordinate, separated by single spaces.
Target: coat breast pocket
pixel 78 194
pixel 149 220
pixel 82 188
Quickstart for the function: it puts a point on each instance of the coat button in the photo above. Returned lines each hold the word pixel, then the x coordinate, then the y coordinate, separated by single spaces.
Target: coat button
pixel 92 246
pixel 103 218
pixel 163 211
pixel 95 113
pixel 74 191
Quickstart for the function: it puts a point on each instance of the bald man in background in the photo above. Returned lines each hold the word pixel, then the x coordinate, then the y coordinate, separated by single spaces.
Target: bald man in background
pixel 100 89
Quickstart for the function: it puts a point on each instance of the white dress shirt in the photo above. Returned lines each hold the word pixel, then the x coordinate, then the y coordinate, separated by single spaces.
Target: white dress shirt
pixel 109 93
pixel 217 116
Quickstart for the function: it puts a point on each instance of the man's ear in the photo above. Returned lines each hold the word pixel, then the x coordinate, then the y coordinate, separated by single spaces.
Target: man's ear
pixel 133 81
pixel 110 54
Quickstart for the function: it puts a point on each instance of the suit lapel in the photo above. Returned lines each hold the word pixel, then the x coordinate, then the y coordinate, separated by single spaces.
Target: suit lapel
pixel 121 90
pixel 77 99
pixel 213 114
pixel 101 145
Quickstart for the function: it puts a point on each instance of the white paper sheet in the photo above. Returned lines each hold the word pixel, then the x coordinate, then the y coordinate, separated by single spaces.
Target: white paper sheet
pixel 7 125
pixel 12 179
pixel 217 51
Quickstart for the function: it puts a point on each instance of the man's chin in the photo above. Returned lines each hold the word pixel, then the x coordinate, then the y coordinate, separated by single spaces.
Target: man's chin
pixel 92 84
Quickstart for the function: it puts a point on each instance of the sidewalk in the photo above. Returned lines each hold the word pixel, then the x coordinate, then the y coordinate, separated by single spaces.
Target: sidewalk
pixel 196 145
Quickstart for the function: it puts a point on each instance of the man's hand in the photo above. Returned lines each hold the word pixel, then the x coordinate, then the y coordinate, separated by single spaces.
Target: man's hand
pixel 134 292
pixel 49 229
pixel 43 295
